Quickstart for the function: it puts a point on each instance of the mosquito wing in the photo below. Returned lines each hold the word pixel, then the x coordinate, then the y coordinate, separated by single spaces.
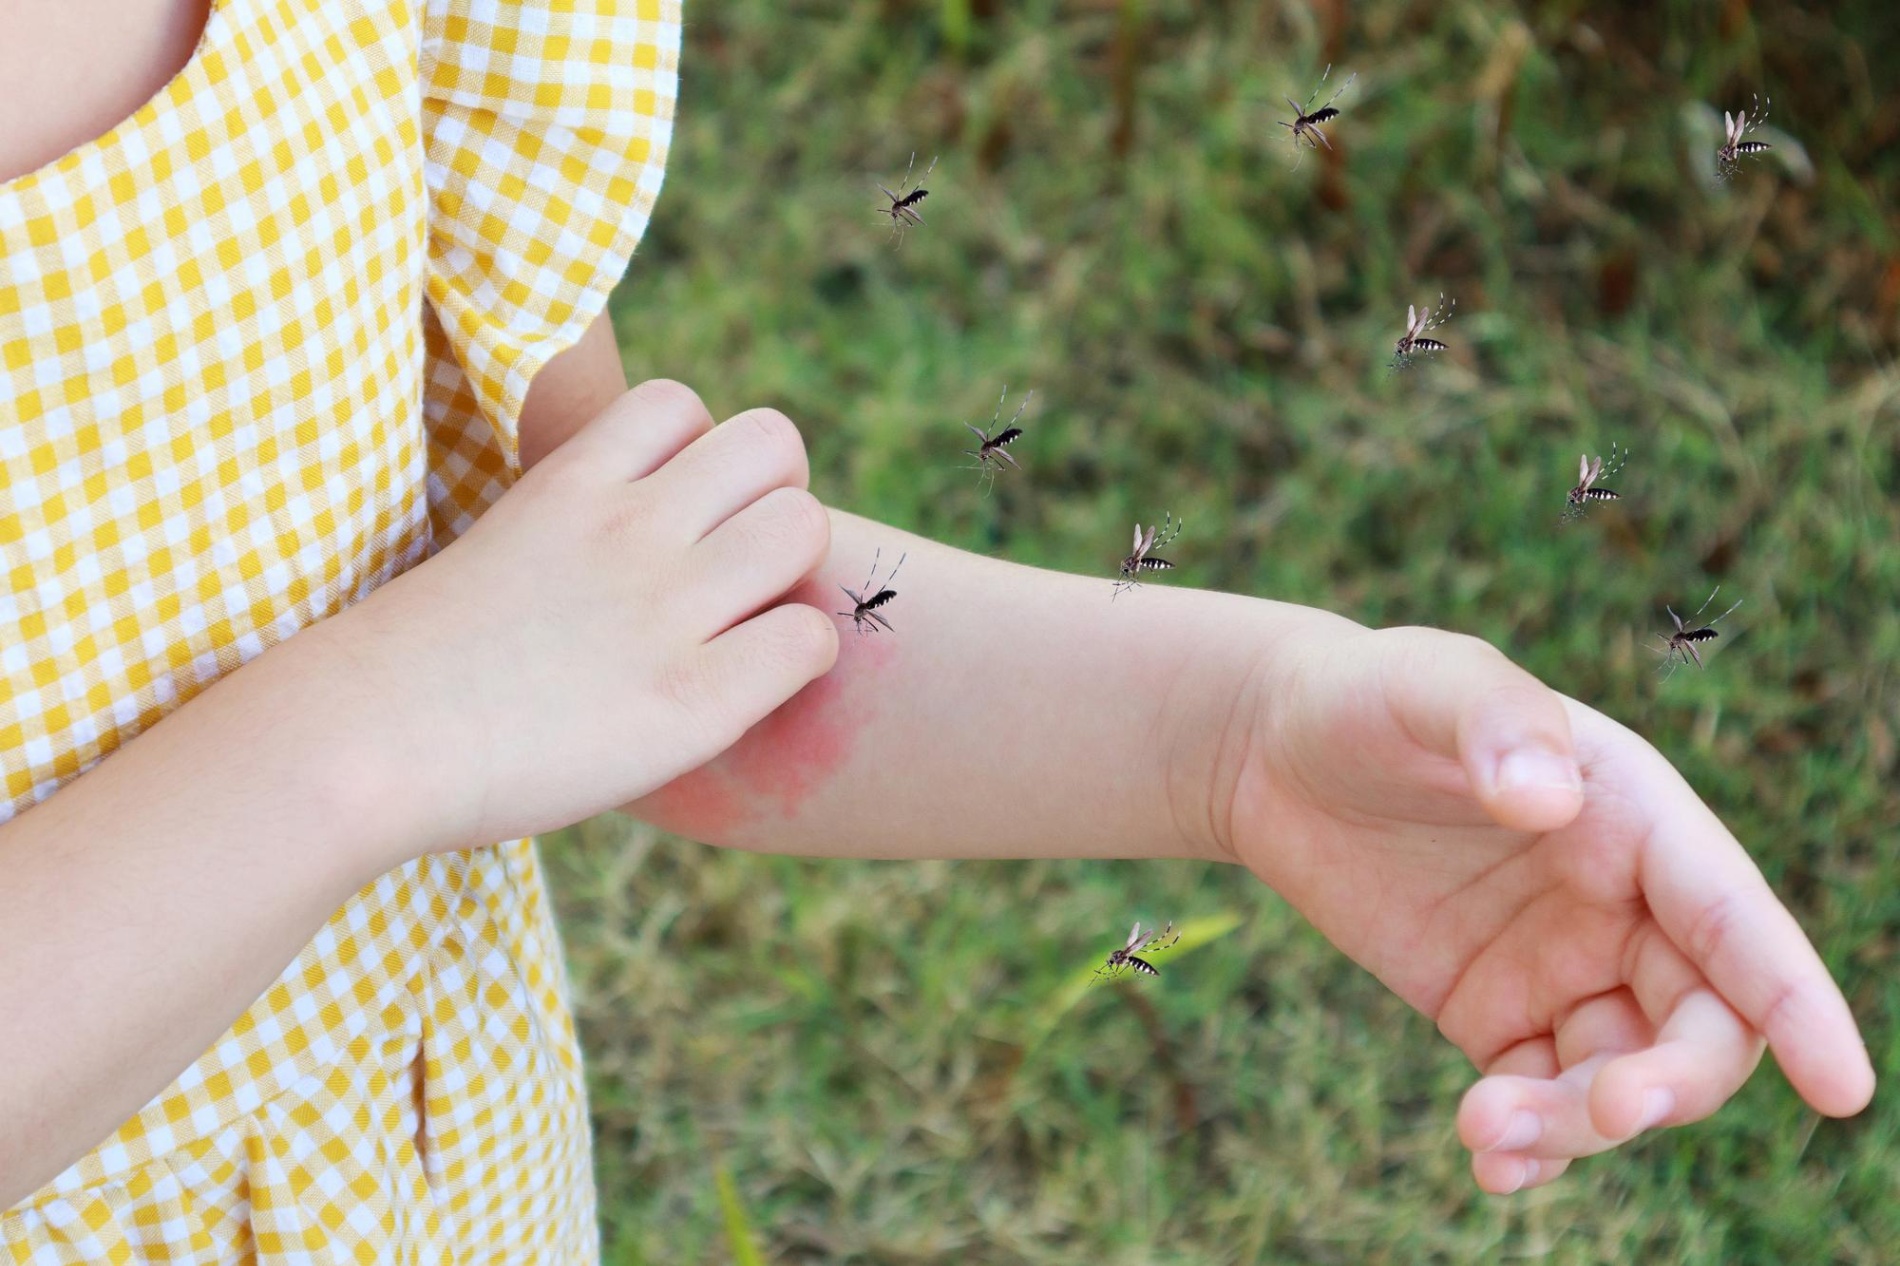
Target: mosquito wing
pixel 1411 320
pixel 1594 473
pixel 1730 128
pixel 1135 549
pixel 1134 937
pixel 887 193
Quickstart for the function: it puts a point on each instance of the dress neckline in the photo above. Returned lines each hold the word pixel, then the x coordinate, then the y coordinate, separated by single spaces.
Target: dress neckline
pixel 167 99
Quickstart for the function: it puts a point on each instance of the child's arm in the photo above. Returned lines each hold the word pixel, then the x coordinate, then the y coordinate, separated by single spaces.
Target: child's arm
pixel 583 643
pixel 1599 945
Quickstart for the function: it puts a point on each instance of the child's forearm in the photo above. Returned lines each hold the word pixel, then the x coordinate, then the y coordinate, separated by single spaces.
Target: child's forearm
pixel 1013 712
pixel 146 905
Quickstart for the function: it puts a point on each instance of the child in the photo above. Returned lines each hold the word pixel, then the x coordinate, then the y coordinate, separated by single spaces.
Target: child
pixel 269 987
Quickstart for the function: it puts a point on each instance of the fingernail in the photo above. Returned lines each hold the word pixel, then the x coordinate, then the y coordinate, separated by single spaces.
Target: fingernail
pixel 1657 1104
pixel 1530 768
pixel 1523 1176
pixel 1522 1130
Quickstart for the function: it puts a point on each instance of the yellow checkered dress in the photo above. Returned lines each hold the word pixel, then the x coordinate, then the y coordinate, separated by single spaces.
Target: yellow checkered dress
pixel 262 347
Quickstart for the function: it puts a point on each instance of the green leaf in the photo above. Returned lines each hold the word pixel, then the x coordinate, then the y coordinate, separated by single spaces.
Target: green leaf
pixel 738 1230
pixel 1194 934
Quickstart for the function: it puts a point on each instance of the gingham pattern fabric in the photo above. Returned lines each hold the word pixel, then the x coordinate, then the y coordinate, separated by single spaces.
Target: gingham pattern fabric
pixel 262 347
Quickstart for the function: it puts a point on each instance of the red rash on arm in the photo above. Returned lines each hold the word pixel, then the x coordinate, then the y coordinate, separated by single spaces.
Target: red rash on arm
pixel 781 762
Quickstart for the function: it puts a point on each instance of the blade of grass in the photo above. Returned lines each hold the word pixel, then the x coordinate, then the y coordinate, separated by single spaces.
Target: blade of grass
pixel 745 1252
pixel 1194 934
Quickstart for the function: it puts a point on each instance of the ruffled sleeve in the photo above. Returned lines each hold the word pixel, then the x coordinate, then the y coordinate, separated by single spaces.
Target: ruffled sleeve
pixel 546 129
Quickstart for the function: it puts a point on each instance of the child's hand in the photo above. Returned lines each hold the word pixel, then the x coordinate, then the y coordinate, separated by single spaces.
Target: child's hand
pixel 1600 947
pixel 606 626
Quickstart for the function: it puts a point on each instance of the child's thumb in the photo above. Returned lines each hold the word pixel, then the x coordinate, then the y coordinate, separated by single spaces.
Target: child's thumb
pixel 1465 699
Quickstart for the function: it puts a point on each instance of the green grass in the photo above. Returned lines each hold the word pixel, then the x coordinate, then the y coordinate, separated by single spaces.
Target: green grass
pixel 1116 222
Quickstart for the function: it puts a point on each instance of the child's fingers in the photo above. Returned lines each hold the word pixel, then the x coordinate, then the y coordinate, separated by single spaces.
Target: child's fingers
pixel 1526 1108
pixel 1501 1174
pixel 729 468
pixel 639 432
pixel 1490 1121
pixel 1463 699
pixel 760 553
pixel 1702 1055
pixel 1714 905
pixel 749 670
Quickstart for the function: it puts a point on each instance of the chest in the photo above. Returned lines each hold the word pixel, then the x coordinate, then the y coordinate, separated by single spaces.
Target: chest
pixel 73 69
pixel 211 354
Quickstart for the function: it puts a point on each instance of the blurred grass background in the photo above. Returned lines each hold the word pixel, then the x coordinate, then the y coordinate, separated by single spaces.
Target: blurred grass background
pixel 1116 222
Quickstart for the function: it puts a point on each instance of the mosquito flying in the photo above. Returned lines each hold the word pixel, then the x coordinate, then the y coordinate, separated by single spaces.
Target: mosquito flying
pixel 1306 120
pixel 1589 470
pixel 1128 957
pixel 904 201
pixel 1734 148
pixel 1142 557
pixel 1680 647
pixel 991 450
pixel 1418 323
pixel 864 614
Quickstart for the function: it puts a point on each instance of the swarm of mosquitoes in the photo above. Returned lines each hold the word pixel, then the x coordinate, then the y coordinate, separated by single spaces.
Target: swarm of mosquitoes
pixel 1682 646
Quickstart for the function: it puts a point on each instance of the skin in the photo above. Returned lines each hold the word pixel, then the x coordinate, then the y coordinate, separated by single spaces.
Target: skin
pixel 1531 875
pixel 1527 872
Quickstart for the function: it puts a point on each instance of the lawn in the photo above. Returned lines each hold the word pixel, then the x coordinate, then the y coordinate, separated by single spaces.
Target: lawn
pixel 879 1055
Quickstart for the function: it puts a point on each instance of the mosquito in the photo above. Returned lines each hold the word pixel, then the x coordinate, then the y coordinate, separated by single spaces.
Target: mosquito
pixel 1728 158
pixel 1419 322
pixel 990 452
pixel 903 208
pixel 864 615
pixel 1142 558
pixel 1680 647
pixel 1128 956
pixel 1305 125
pixel 1589 470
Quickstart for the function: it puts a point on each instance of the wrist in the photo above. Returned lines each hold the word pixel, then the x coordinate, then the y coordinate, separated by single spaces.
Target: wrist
pixel 1233 727
pixel 382 760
